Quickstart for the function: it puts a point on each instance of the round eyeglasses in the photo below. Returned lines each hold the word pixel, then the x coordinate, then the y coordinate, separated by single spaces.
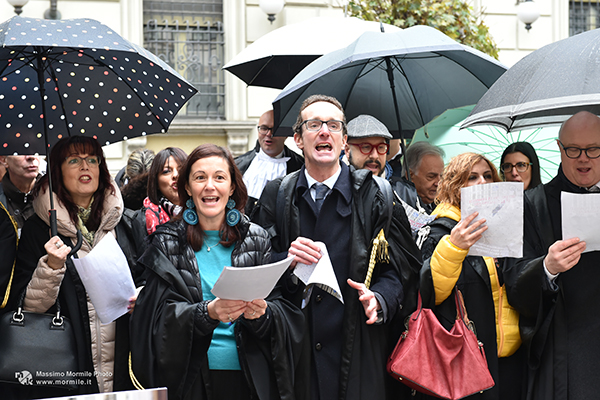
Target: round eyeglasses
pixel 367 148
pixel 75 161
pixel 520 166
pixel 575 152
pixel 314 125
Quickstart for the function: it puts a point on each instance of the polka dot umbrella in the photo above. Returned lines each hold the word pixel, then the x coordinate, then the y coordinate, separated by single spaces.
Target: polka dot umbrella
pixel 78 77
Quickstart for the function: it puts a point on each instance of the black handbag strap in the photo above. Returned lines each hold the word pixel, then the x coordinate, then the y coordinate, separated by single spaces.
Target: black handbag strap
pixel 22 300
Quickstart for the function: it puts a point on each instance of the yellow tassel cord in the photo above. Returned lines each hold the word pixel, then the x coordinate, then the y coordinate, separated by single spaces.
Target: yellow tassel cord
pixel 134 380
pixel 379 253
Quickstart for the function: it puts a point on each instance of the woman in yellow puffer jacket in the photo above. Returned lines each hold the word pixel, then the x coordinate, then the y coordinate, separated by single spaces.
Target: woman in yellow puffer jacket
pixel 446 266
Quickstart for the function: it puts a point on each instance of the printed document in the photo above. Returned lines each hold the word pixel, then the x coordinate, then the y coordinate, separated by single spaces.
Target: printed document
pixel 501 204
pixel 249 283
pixel 320 274
pixel 579 218
pixel 107 279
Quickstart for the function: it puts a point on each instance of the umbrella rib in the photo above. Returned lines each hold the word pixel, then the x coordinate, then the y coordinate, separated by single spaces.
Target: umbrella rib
pixel 260 70
pixel 60 97
pixel 26 56
pixel 410 87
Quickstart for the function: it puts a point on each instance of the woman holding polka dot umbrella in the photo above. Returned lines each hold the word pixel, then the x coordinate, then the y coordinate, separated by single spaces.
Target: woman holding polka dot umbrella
pixel 78 77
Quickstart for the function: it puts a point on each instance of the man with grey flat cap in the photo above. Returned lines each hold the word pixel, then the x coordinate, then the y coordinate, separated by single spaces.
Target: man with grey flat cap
pixel 368 144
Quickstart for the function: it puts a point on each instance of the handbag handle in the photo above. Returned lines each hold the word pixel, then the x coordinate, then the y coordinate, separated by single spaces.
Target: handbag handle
pixel 461 311
pixel 18 316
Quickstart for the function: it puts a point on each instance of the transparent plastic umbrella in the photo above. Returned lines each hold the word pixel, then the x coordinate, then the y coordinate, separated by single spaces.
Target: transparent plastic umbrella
pixel 444 131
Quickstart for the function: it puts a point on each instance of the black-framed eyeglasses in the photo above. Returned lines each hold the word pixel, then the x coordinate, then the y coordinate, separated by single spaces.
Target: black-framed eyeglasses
pixel 75 161
pixel 263 129
pixel 314 125
pixel 367 148
pixel 575 152
pixel 520 166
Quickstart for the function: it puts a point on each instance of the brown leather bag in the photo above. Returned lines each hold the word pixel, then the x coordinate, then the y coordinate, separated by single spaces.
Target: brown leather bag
pixel 431 360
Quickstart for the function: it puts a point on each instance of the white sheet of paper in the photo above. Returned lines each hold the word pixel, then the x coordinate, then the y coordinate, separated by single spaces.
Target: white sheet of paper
pixel 578 223
pixel 416 219
pixel 107 279
pixel 501 204
pixel 249 283
pixel 322 273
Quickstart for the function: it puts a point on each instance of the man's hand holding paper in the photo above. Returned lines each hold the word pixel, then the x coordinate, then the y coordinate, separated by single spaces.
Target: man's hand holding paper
pixel 320 273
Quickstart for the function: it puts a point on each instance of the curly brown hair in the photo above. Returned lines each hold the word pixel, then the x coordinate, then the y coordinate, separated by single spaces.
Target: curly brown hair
pixel 456 175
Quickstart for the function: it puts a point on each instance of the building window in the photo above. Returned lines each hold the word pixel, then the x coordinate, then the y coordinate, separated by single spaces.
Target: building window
pixel 188 35
pixel 583 16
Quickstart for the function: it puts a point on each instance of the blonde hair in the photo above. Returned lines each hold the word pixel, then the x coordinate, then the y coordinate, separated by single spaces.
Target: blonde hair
pixel 456 175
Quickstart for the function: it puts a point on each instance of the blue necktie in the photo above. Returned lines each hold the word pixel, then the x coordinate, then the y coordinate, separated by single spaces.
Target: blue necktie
pixel 320 192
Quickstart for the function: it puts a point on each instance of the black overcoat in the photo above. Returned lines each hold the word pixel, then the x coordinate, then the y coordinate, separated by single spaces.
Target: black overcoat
pixel 365 348
pixel 171 331
pixel 559 321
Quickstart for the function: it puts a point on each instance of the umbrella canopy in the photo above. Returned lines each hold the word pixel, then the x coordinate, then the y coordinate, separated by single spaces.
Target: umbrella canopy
pixel 79 77
pixel 546 87
pixel 404 79
pixel 489 140
pixel 275 58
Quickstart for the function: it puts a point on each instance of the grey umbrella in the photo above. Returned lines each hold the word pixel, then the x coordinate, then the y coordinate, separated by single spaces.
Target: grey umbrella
pixel 404 79
pixel 546 87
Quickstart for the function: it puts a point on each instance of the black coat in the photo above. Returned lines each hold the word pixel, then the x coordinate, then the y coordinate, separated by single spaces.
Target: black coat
pixel 295 162
pixel 407 191
pixel 364 348
pixel 8 248
pixel 559 321
pixel 172 331
pixel 73 301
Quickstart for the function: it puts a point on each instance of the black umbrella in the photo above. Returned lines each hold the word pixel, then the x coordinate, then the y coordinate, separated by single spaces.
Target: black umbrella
pixel 275 58
pixel 546 87
pixel 79 77
pixel 404 79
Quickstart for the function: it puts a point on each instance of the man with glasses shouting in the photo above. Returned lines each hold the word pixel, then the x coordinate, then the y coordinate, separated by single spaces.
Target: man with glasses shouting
pixel 346 344
pixel 270 159
pixel 555 285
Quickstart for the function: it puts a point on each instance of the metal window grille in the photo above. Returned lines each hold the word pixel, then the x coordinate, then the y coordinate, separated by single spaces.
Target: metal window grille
pixel 584 15
pixel 189 36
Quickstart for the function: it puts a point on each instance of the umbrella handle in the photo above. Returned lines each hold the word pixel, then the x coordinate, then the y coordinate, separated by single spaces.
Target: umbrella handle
pixel 54 232
pixel 78 244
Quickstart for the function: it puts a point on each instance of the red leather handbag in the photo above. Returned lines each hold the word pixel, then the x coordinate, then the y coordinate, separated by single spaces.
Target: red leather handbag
pixel 431 360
